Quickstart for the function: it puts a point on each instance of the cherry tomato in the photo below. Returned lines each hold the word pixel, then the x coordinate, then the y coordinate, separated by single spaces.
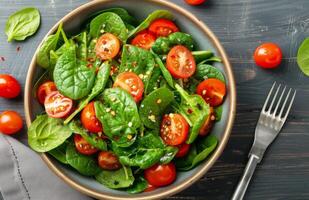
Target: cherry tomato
pixel 180 62
pixel 107 46
pixel 144 39
pixel 9 86
pixel 132 83
pixel 174 129
pixel 10 122
pixel 108 160
pixel 268 55
pixel 209 122
pixel 45 89
pixel 183 149
pixel 89 119
pixel 212 90
pixel 194 2
pixel 57 106
pixel 162 27
pixel 150 188
pixel 83 146
pixel 160 175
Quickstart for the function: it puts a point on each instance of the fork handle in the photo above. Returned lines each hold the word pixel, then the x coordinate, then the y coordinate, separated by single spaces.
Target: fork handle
pixel 245 179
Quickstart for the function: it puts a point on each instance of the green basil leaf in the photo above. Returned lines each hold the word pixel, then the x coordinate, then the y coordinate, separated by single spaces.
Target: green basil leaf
pixel 139 185
pixel 205 71
pixel 154 105
pixel 91 138
pixel 22 24
pixel 115 179
pixel 111 23
pixel 119 116
pixel 99 86
pixel 166 74
pixel 86 165
pixel 303 57
pixel 153 16
pixel 45 133
pixel 72 77
pixel 60 153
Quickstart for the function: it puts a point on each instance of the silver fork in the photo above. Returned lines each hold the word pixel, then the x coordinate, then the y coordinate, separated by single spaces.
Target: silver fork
pixel 268 127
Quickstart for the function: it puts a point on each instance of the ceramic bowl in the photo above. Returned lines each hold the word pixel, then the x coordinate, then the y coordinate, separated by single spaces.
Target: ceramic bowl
pixel 206 41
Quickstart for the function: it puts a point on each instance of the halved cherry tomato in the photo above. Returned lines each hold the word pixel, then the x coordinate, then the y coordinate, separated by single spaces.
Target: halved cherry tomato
pixel 174 129
pixel 108 160
pixel 10 122
pixel 160 175
pixel 212 90
pixel 268 55
pixel 150 188
pixel 163 27
pixel 144 39
pixel 132 83
pixel 180 62
pixel 209 122
pixel 57 106
pixel 107 46
pixel 183 149
pixel 83 146
pixel 89 119
pixel 9 86
pixel 195 2
pixel 45 89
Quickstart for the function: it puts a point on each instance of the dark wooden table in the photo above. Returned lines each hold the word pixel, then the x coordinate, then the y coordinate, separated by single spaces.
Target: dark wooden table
pixel 240 25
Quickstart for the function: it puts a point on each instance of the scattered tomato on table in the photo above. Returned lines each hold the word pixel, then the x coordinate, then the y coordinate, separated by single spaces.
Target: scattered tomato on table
pixel 9 86
pixel 195 2
pixel 10 122
pixel 268 55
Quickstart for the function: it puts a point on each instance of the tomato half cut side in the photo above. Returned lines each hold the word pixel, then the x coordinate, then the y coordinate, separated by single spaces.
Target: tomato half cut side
pixel 107 46
pixel 132 83
pixel 212 90
pixel 108 160
pixel 57 106
pixel 144 39
pixel 89 119
pixel 45 89
pixel 180 62
pixel 82 146
pixel 160 175
pixel 163 27
pixel 183 150
pixel 174 129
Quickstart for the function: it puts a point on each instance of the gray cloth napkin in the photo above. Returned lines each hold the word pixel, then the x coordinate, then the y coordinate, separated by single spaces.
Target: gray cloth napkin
pixel 24 176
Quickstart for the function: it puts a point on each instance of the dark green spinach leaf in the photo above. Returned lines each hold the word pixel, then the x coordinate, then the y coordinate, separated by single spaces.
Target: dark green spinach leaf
pixel 139 185
pixel 218 112
pixel 205 71
pixel 200 56
pixel 166 74
pixel 81 45
pixel 60 153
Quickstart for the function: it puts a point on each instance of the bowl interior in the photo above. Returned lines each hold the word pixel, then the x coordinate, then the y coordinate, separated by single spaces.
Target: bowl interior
pixel 141 9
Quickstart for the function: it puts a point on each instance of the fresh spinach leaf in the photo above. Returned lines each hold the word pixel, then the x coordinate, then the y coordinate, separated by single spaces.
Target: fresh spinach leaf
pixel 99 86
pixel 22 24
pixel 169 154
pixel 92 138
pixel 154 81
pixel 86 165
pixel 153 16
pixel 72 77
pixel 218 112
pixel 60 153
pixel 303 57
pixel 194 109
pixel 121 178
pixel 211 60
pixel 139 185
pixel 166 74
pixel 153 106
pixel 199 151
pixel 50 43
pixel 200 56
pixel 119 116
pixel 205 71
pixel 111 23
pixel 45 133
pixel 81 43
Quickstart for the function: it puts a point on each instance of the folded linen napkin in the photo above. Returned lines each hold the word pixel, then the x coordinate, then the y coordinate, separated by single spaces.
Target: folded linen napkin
pixel 24 176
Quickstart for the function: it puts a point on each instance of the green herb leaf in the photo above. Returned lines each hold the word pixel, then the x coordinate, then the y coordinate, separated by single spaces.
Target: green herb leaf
pixel 218 112
pixel 60 153
pixel 303 57
pixel 200 56
pixel 166 74
pixel 205 71
pixel 139 185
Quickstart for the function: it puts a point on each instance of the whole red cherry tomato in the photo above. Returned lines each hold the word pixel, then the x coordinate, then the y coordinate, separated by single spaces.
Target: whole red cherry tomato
pixel 9 86
pixel 268 55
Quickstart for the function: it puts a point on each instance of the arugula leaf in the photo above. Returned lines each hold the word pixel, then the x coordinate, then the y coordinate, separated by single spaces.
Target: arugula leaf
pixel 153 106
pixel 205 71
pixel 153 16
pixel 199 151
pixel 91 138
pixel 111 23
pixel 99 86
pixel 45 133
pixel 86 165
pixel 60 153
pixel 119 116
pixel 166 74
pixel 121 178
pixel 194 109
pixel 72 77
pixel 303 57
pixel 22 24
pixel 139 185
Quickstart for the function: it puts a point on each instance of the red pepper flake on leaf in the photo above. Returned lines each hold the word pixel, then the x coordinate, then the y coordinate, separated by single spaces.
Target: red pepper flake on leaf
pixel 2 58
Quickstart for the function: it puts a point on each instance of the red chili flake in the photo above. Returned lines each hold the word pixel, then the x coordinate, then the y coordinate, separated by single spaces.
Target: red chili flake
pixel 2 58
pixel 89 65
pixel 18 48
pixel 189 111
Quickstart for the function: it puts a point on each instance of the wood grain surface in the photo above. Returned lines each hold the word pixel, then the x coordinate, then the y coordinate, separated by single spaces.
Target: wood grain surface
pixel 241 25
